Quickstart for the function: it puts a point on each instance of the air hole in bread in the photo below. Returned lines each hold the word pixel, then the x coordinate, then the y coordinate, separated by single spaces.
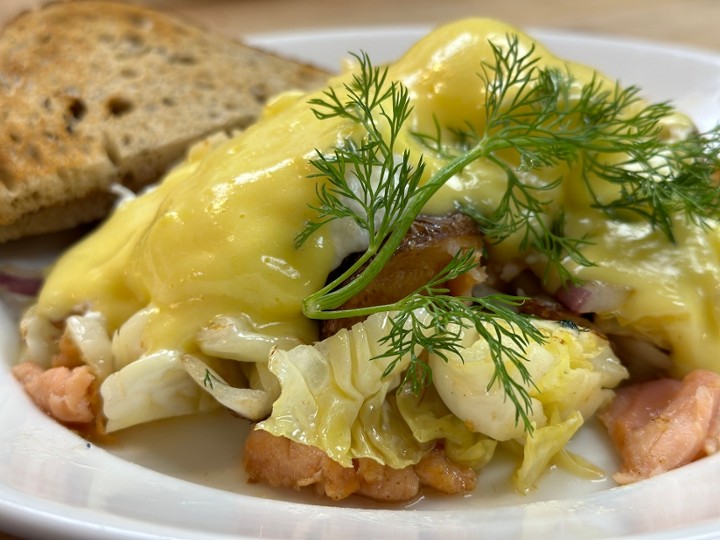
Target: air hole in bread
pixel 168 101
pixel 131 46
pixel 118 106
pixel 182 59
pixel 75 111
pixel 77 108
pixel 134 41
pixel 14 137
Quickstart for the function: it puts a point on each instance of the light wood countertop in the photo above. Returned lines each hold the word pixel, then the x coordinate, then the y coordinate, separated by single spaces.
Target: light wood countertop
pixel 686 22
pixel 690 23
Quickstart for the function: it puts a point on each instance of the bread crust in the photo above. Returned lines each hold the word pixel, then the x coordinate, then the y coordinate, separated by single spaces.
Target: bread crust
pixel 94 93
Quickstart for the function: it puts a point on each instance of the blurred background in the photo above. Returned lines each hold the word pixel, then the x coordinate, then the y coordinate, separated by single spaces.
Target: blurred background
pixel 686 22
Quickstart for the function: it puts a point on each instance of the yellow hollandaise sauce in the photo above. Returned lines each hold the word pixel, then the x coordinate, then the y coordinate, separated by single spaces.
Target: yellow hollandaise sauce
pixel 216 237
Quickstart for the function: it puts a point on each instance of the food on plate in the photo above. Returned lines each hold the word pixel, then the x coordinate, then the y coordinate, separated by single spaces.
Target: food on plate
pixel 101 94
pixel 282 462
pixel 662 424
pixel 65 393
pixel 393 278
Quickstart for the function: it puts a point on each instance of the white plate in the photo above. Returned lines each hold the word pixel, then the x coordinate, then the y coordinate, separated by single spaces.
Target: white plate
pixel 181 478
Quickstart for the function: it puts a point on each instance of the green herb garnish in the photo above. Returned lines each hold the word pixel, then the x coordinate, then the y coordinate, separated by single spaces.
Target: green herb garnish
pixel 536 116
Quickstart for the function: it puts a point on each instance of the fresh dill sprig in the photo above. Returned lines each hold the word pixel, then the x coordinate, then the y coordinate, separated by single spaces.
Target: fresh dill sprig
pixel 535 119
pixel 366 181
pixel 608 134
pixel 658 181
pixel 210 379
pixel 432 321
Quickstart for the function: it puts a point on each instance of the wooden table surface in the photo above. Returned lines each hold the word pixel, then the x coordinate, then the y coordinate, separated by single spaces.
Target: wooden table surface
pixel 685 22
pixel 682 22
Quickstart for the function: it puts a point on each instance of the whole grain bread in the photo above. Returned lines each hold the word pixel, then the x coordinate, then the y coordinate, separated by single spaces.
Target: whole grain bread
pixel 96 93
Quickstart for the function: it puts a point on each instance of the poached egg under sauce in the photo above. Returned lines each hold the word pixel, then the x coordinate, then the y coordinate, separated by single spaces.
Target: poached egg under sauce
pixel 216 236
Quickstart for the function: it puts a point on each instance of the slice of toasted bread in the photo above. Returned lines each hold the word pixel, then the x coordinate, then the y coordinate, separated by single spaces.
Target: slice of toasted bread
pixel 94 93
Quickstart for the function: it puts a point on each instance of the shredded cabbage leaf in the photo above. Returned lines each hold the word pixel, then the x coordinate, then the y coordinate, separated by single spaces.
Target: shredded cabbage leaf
pixel 430 420
pixel 572 371
pixel 253 402
pixel 233 372
pixel 333 397
pixel 153 387
pixel 541 448
pixel 239 338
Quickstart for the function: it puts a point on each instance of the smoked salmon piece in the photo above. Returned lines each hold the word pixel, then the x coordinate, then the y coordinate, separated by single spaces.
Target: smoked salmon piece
pixel 429 245
pixel 66 394
pixel 280 462
pixel 663 424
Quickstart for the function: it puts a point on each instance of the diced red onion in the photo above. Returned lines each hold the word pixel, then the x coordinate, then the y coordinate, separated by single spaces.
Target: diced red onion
pixel 23 285
pixel 592 297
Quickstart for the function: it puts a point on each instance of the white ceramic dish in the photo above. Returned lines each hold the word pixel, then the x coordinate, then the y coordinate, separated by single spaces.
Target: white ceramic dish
pixel 181 479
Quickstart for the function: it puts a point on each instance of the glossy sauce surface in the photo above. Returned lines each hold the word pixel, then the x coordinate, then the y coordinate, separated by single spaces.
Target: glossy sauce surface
pixel 216 237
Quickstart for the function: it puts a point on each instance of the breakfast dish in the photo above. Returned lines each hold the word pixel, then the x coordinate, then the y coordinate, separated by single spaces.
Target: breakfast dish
pixel 397 275
pixel 631 491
